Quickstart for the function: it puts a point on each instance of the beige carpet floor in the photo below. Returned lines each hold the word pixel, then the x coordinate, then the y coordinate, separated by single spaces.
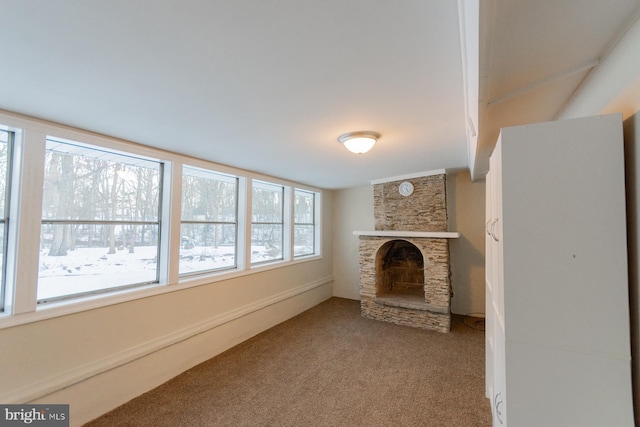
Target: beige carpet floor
pixel 327 367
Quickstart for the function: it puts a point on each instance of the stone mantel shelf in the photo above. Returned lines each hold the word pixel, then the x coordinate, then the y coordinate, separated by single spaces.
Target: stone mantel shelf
pixel 400 233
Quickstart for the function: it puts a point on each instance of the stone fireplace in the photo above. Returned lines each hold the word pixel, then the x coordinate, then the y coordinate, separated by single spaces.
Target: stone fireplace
pixel 404 263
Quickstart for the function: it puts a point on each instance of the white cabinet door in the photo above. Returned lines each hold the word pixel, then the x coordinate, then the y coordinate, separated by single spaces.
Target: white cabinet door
pixel 489 315
pixel 558 342
pixel 495 333
pixel 563 235
pixel 499 400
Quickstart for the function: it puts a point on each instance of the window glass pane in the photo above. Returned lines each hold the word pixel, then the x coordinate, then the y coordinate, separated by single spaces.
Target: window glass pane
pixel 4 167
pixel 100 221
pixel 304 237
pixel 267 203
pixel 106 186
pixel 87 265
pixel 304 223
pixel 304 207
pixel 209 229
pixel 3 234
pixel 207 247
pixel 266 242
pixel 208 196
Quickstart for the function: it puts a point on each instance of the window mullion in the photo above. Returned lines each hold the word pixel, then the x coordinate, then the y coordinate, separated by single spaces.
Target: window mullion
pixel 24 222
pixel 288 224
pixel 317 223
pixel 244 223
pixel 170 223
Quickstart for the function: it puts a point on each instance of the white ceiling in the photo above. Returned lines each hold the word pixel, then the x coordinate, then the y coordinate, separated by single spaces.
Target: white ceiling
pixel 269 85
pixel 534 55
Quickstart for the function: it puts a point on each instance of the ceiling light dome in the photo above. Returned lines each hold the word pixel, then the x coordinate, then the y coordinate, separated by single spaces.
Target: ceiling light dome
pixel 359 142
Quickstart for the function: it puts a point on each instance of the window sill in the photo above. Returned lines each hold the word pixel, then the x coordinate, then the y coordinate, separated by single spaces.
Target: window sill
pixel 76 305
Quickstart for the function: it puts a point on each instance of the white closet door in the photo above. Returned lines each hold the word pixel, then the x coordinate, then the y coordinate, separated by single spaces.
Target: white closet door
pixel 558 349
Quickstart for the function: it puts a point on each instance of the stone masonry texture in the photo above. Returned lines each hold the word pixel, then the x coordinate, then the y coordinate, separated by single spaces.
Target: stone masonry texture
pixel 424 210
pixel 436 279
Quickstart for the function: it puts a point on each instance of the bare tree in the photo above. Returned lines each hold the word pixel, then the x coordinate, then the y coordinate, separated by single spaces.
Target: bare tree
pixel 61 175
pixel 114 210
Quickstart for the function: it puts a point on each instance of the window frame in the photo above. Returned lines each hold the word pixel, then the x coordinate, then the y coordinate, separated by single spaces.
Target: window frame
pixel 93 151
pixel 212 222
pixel 313 223
pixel 5 219
pixel 25 213
pixel 285 250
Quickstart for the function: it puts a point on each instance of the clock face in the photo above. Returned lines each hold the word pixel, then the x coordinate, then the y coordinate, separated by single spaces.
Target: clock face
pixel 406 188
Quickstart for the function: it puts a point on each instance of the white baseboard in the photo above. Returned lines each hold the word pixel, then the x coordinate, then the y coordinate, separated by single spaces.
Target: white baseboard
pixel 68 378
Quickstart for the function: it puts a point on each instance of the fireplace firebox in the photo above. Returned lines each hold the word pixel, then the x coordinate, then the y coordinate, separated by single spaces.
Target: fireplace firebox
pixel 401 270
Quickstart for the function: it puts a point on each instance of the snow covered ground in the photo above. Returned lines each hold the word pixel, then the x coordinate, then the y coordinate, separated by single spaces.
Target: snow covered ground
pixel 92 269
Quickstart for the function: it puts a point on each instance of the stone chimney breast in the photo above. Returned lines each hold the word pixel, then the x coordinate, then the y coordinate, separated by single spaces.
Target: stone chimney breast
pixel 415 291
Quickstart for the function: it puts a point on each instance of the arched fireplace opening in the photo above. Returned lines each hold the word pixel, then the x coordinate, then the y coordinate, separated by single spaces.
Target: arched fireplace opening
pixel 399 270
pixel 404 278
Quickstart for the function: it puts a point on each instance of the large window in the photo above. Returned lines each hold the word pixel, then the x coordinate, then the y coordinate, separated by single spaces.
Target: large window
pixel 6 142
pixel 100 221
pixel 304 223
pixel 209 226
pixel 267 221
pixel 114 221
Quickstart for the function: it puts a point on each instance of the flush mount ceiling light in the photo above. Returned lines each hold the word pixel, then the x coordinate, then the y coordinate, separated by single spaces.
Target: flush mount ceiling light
pixel 359 142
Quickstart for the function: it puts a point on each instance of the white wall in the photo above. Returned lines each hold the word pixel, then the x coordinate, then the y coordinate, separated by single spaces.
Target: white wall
pixel 354 211
pixel 98 359
pixel 466 210
pixel 615 87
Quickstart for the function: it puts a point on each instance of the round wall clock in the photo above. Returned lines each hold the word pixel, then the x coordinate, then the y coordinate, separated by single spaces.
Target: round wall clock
pixel 406 188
